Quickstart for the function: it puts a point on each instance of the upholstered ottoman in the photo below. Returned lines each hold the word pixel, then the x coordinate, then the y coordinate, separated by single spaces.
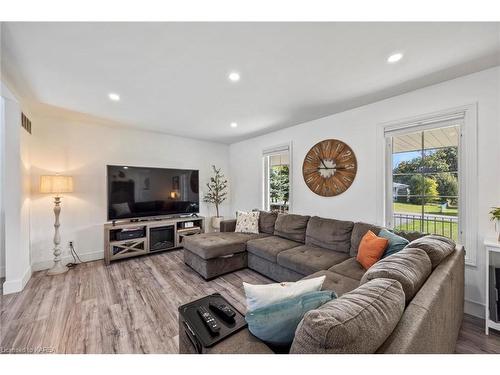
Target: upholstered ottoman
pixel 214 254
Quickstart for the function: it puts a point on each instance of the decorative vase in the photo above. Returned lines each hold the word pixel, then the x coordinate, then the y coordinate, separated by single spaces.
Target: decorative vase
pixel 497 229
pixel 216 222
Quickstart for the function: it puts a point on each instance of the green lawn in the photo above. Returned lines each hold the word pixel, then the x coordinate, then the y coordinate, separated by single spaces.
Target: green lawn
pixel 429 209
pixel 445 229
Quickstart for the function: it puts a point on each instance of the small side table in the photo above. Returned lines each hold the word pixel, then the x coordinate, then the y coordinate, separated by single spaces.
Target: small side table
pixel 194 337
pixel 491 246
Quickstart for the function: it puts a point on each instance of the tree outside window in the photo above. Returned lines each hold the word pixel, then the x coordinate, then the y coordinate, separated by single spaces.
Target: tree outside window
pixel 279 187
pixel 277 180
pixel 425 181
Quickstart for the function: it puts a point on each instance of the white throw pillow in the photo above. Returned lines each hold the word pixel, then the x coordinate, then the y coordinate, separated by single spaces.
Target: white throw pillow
pixel 247 222
pixel 263 295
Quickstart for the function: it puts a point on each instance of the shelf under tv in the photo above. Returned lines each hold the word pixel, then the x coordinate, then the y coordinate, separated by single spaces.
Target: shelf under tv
pixel 130 239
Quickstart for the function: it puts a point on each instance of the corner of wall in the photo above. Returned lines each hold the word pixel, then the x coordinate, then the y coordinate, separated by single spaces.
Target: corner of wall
pixel 474 308
pixel 16 209
pixel 17 285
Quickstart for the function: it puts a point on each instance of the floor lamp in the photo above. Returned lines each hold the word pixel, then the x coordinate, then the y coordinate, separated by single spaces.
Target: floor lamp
pixel 56 185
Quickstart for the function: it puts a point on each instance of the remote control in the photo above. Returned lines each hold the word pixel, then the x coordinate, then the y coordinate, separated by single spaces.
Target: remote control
pixel 209 320
pixel 224 311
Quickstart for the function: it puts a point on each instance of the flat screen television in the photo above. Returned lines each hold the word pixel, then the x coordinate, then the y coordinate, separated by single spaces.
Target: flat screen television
pixel 138 192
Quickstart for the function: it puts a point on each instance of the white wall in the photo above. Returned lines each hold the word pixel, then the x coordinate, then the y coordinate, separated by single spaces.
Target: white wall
pixel 83 149
pixel 358 128
pixel 16 199
pixel 2 169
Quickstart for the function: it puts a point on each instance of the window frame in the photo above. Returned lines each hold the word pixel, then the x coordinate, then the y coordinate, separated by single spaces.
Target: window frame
pixel 467 168
pixel 390 154
pixel 270 151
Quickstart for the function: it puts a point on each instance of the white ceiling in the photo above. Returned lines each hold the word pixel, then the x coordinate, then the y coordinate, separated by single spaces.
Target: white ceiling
pixel 172 77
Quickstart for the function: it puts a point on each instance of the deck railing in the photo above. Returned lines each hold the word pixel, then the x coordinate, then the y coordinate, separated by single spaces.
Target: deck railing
pixel 436 224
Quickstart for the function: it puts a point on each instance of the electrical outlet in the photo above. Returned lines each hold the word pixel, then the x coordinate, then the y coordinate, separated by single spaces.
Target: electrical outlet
pixel 70 243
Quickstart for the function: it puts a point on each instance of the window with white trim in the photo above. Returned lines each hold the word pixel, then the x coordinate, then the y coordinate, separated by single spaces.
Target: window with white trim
pixel 425 180
pixel 431 175
pixel 277 188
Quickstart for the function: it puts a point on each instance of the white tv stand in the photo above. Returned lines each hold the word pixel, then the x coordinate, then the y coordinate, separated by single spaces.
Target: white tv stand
pixel 129 239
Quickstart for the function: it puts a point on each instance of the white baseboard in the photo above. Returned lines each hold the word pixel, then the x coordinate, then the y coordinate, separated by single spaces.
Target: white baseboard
pixel 14 286
pixel 474 308
pixel 85 257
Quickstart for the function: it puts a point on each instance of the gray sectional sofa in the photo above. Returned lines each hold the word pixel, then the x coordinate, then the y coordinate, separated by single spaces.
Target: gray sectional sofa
pixel 409 302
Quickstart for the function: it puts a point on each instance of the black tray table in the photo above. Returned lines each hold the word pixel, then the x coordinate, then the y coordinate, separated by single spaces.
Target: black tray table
pixel 195 328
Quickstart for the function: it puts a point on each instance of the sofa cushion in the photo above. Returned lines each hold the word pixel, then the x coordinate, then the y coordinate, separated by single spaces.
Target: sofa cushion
pixel 329 234
pixel 436 247
pixel 269 247
pixel 267 221
pixel 350 268
pixel 241 342
pixel 410 267
pixel 340 284
pixel 228 225
pixel 291 226
pixel 357 322
pixel 216 244
pixel 309 259
pixel 409 235
pixel 272 270
pixel 358 231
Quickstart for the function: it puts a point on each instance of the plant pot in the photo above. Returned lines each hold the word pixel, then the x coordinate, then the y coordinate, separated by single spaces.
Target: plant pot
pixel 216 222
pixel 497 229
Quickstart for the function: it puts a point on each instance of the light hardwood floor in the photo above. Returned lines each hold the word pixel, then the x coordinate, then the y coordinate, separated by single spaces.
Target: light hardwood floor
pixel 131 307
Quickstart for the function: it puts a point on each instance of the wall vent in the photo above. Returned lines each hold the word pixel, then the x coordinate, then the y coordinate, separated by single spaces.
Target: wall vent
pixel 26 123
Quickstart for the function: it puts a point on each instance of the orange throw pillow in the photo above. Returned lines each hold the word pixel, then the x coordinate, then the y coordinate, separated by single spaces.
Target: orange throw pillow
pixel 371 248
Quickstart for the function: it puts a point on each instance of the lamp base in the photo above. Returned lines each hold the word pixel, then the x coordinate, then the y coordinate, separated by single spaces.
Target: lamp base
pixel 57 269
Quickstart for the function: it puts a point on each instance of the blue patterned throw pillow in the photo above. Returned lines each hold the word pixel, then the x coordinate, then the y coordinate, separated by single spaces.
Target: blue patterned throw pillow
pixel 275 324
pixel 396 243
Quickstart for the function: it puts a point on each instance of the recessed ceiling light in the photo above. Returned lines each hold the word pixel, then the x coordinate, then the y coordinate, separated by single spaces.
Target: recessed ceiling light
pixel 234 76
pixel 394 58
pixel 114 97
pixel 234 125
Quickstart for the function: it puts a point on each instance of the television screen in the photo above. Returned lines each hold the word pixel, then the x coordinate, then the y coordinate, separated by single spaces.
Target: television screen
pixel 135 192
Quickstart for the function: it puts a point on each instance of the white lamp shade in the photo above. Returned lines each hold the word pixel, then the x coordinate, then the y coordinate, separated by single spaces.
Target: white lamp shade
pixel 56 184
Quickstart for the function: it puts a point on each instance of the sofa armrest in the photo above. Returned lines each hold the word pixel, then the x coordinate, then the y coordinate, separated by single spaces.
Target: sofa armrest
pixel 228 225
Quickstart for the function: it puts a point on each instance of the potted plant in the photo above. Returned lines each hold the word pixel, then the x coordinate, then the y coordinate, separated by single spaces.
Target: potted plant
pixel 217 193
pixel 495 216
